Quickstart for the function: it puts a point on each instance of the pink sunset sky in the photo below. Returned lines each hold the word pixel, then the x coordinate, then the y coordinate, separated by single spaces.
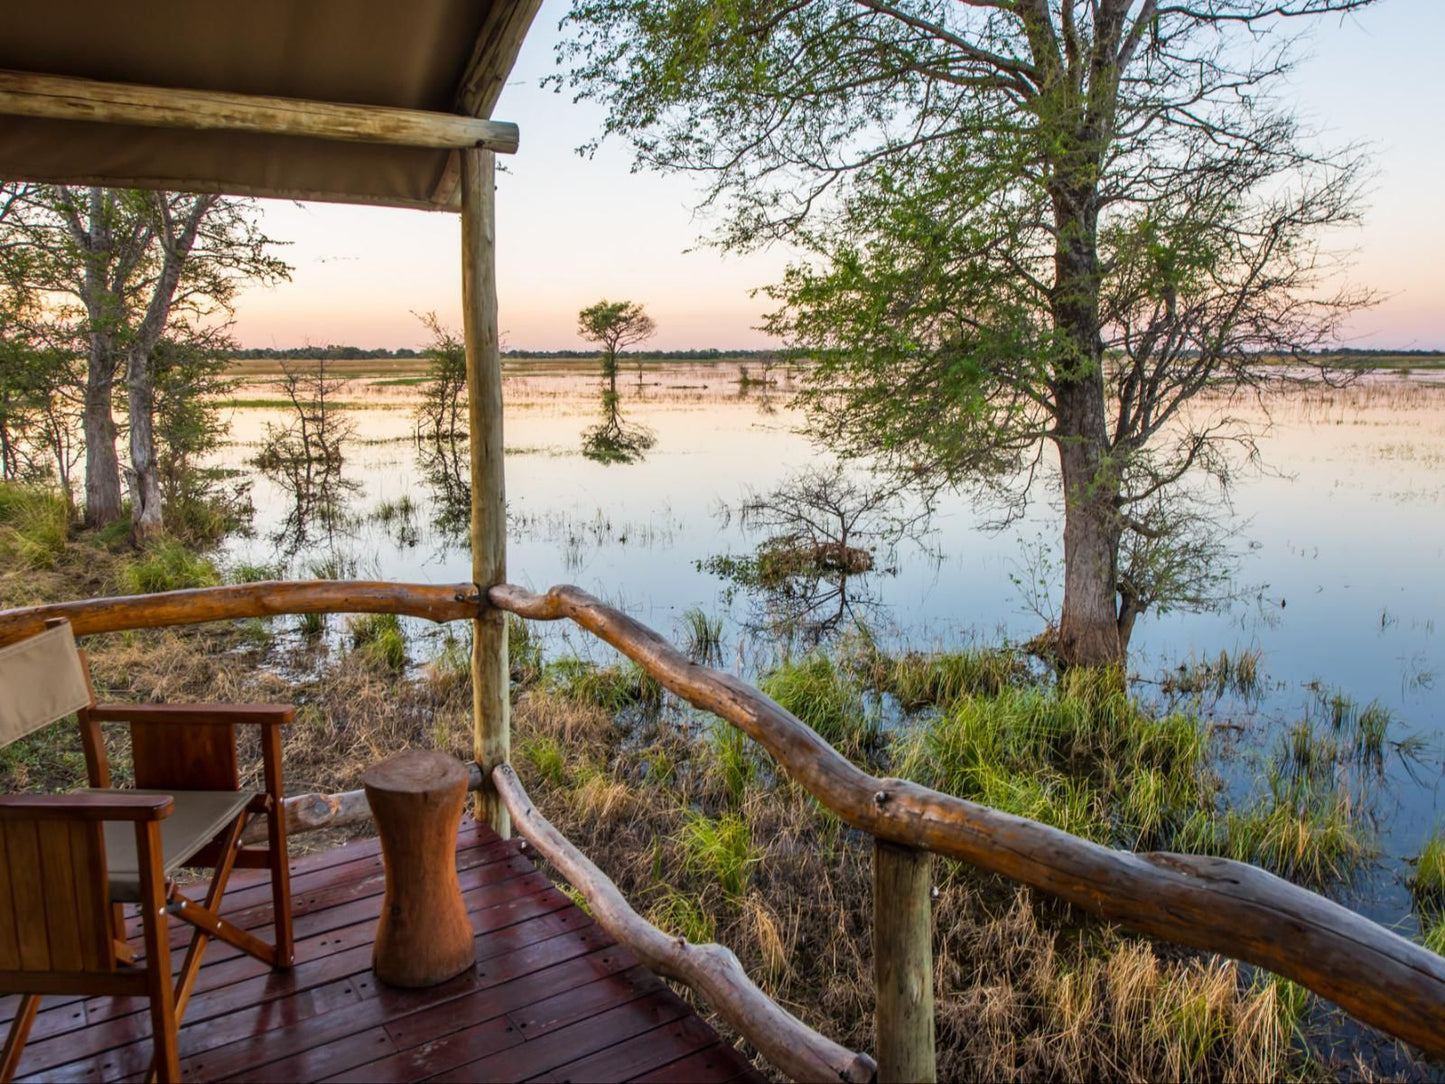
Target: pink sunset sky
pixel 572 230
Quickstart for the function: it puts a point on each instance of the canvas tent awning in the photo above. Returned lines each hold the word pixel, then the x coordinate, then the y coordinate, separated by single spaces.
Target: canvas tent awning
pixel 443 56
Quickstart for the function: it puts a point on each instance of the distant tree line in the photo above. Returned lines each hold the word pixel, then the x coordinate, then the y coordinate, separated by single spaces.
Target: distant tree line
pixel 330 352
pixel 335 352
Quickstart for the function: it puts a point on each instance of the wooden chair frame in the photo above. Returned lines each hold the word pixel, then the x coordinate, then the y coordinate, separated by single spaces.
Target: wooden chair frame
pixel 180 747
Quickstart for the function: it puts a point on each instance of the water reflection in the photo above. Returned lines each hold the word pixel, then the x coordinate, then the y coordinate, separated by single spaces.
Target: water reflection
pixel 614 439
pixel 826 536
pixel 445 469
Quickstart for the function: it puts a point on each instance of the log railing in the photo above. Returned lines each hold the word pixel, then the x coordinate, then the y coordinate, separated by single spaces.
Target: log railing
pixel 1212 904
pixel 710 970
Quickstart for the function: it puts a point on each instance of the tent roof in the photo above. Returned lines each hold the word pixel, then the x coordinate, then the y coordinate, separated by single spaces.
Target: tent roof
pixel 449 56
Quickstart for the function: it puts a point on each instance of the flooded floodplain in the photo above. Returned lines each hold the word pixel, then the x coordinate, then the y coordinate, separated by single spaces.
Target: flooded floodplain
pixel 1339 584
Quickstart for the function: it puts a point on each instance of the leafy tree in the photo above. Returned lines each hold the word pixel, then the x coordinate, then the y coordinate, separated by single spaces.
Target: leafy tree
pixel 614 326
pixel 1027 225
pixel 119 270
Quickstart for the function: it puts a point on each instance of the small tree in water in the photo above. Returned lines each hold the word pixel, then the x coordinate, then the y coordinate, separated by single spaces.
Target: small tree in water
pixel 614 326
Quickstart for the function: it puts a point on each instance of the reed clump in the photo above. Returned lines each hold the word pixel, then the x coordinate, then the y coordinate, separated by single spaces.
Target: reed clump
pixel 826 697
pixel 381 639
pixel 613 688
pixel 167 566
pixel 1428 883
pixel 1027 989
pixel 921 680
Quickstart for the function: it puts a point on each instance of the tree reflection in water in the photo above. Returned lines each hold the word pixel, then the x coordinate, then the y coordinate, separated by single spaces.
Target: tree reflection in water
pixel 614 439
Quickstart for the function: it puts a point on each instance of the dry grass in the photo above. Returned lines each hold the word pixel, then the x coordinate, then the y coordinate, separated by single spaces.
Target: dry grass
pixel 1027 989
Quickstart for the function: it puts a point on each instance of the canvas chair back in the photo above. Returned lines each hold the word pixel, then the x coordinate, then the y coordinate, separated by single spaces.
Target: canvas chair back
pixel 42 679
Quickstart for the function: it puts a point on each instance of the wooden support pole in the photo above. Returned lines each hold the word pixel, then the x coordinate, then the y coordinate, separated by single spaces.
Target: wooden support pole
pixel 55 97
pixel 491 688
pixel 903 962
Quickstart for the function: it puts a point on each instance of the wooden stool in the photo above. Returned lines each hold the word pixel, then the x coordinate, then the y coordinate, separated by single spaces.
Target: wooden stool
pixel 424 936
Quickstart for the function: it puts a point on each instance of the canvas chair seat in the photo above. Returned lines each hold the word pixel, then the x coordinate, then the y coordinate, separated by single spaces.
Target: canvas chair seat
pixel 200 815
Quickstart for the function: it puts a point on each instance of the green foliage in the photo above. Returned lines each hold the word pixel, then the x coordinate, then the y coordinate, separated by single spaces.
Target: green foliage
pixel 682 916
pixel 614 325
pixel 721 847
pixel 311 625
pixel 34 525
pixel 256 572
pixel 1428 884
pixel 975 242
pixel 167 566
pixel 380 638
pixel 524 651
pixel 825 697
pixel 440 416
pixel 612 688
pixel 547 758
pixel 918 680
pixel 201 504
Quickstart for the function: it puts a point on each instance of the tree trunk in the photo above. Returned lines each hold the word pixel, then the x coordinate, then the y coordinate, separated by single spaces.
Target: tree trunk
pixel 1089 623
pixel 145 489
pixel 102 467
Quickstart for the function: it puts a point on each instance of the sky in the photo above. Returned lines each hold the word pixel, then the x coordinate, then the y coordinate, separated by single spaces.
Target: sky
pixel 572 230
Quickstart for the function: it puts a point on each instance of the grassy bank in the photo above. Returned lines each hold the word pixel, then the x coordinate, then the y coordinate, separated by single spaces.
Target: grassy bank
pixel 710 842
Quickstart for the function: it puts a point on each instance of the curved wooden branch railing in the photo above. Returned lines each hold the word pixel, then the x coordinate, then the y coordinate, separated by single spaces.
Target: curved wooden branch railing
pixel 87 617
pixel 711 970
pixel 1213 904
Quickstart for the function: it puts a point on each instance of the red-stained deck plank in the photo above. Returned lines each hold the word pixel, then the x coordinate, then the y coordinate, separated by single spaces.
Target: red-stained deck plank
pixel 551 995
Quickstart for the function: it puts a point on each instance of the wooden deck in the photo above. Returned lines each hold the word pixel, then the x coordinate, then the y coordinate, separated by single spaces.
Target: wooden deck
pixel 551 997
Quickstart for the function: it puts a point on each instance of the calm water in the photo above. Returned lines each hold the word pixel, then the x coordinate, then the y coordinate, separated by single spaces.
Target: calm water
pixel 1340 542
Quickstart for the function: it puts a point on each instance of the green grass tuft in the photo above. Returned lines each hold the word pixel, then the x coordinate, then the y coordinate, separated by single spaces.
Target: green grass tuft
pixel 167 566
pixel 721 847
pixel 1433 936
pixel 379 637
pixel 524 651
pixel 34 526
pixel 682 916
pixel 824 696
pixel 612 688
pixel 547 757
pixel 919 680
pixel 248 572
pixel 702 637
pixel 1428 884
pixel 736 763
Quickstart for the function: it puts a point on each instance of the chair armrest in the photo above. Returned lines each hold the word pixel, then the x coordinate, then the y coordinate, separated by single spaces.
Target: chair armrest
pixel 271 714
pixel 118 806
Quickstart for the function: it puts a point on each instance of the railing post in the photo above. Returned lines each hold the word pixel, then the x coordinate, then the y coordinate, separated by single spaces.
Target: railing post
pixel 903 962
pixel 491 692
